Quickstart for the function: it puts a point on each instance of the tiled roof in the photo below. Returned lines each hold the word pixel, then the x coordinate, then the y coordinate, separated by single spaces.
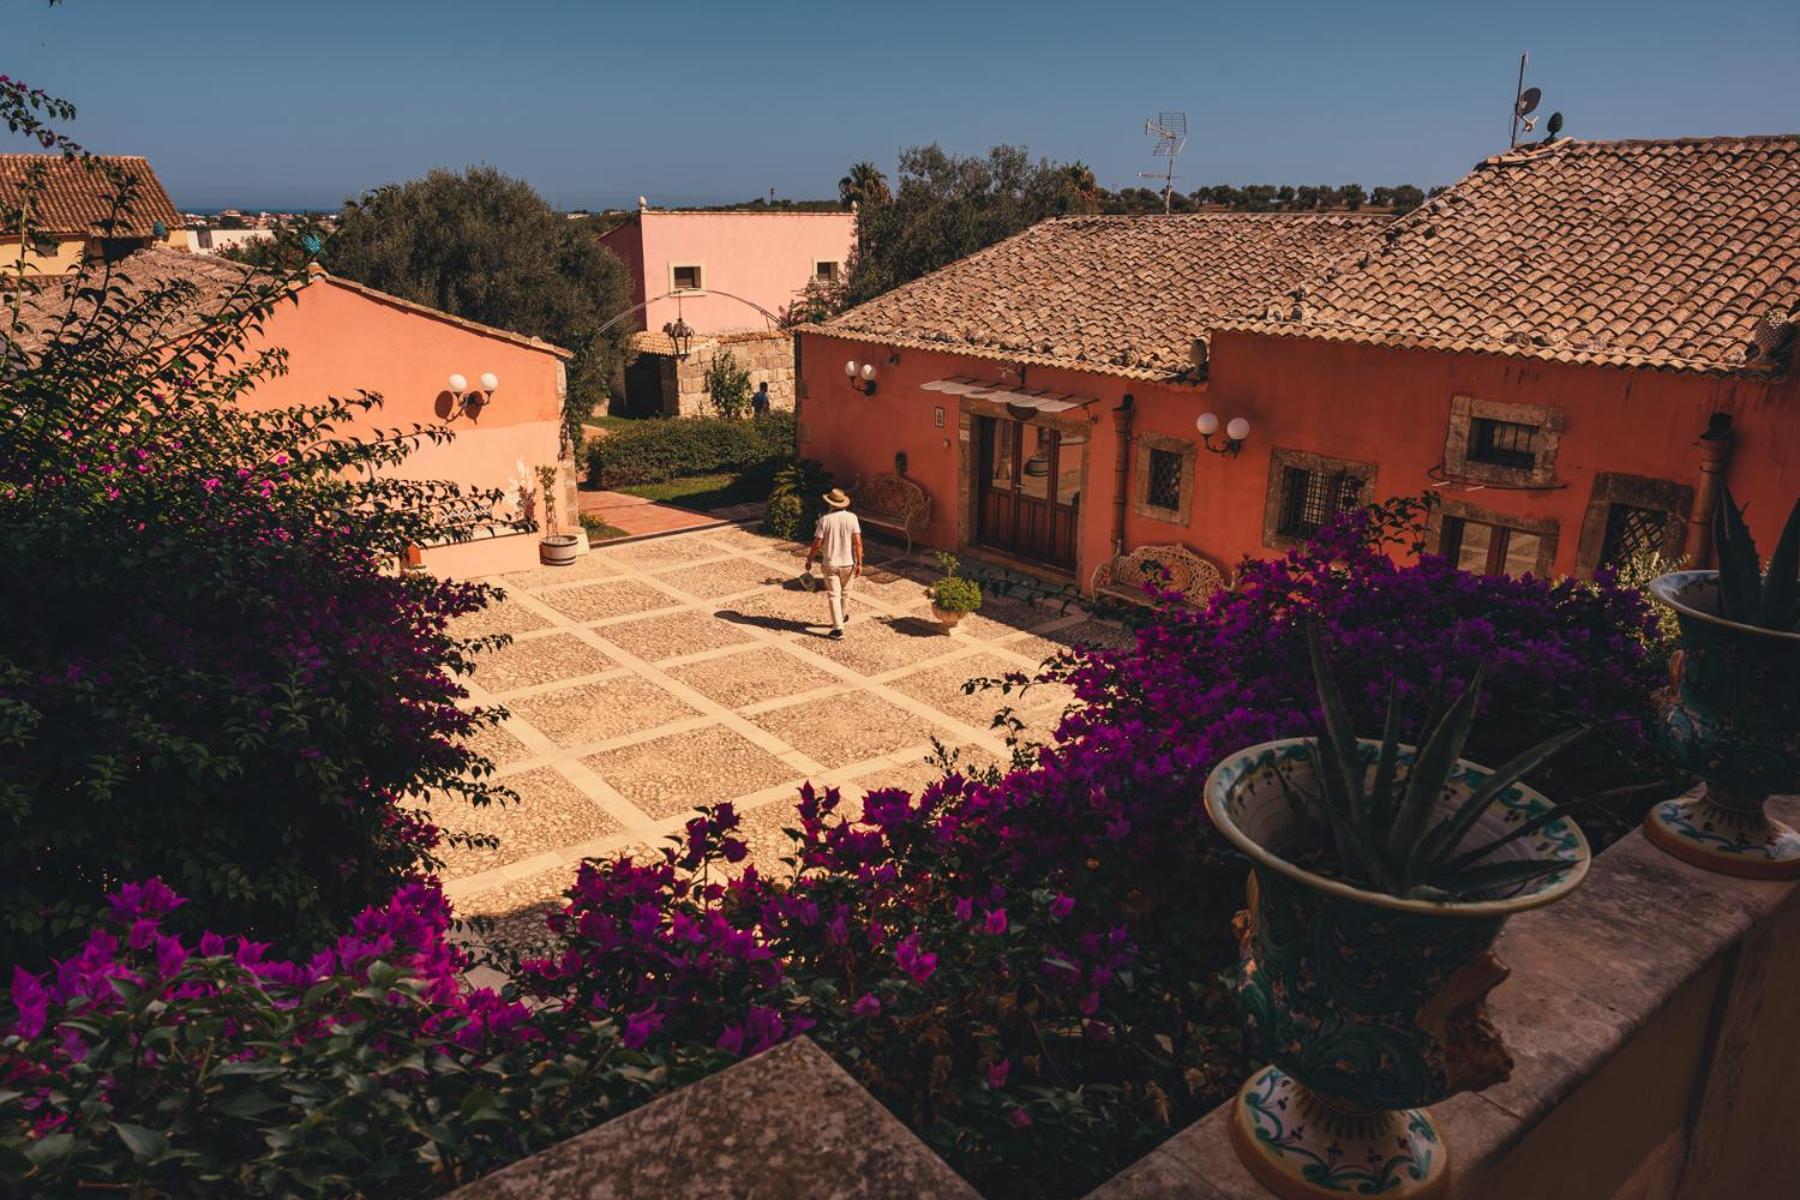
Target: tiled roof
pixel 213 279
pixel 1681 254
pixel 1121 295
pixel 75 197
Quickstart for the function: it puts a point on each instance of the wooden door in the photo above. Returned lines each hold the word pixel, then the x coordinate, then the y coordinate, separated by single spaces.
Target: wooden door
pixel 1030 491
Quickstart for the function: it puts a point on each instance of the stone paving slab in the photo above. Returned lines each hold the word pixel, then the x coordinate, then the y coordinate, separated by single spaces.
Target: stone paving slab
pixel 691 669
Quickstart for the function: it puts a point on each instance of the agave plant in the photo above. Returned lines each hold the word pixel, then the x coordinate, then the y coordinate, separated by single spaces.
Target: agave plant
pixel 1746 594
pixel 1382 826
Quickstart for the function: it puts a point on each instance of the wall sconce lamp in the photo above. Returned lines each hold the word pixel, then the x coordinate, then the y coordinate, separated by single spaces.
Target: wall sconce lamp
pixel 862 377
pixel 682 334
pixel 465 396
pixel 1236 430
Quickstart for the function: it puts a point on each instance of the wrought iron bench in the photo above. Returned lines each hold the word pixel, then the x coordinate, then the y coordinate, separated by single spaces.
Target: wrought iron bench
pixel 1171 567
pixel 892 502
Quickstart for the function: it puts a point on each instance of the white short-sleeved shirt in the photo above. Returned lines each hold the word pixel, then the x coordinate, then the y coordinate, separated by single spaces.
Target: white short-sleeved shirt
pixel 837 532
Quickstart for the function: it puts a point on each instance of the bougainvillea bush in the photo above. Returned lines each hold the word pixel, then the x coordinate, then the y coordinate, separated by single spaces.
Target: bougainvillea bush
pixel 149 1064
pixel 1026 967
pixel 209 671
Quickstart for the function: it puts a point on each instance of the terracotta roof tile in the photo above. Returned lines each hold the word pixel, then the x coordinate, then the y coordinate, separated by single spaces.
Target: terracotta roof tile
pixel 1667 254
pixel 1121 295
pixel 75 197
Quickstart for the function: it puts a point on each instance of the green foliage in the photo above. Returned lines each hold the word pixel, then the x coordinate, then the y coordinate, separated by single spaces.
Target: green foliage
pixel 947 207
pixel 208 671
pixel 1746 594
pixel 546 477
pixel 796 500
pixel 728 386
pixel 487 247
pixel 1382 828
pixel 863 186
pixel 953 593
pixel 657 450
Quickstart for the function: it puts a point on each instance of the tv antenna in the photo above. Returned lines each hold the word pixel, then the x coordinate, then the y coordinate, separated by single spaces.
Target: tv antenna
pixel 1525 102
pixel 1170 131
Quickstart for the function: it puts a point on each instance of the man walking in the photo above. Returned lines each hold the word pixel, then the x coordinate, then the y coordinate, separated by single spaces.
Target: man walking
pixel 759 403
pixel 837 544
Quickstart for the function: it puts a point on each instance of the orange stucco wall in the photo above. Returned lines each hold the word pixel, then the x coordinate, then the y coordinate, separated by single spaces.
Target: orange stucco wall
pixel 1359 403
pixel 340 340
pixel 764 257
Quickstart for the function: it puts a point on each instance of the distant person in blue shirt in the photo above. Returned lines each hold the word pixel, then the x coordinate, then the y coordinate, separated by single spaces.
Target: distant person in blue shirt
pixel 759 403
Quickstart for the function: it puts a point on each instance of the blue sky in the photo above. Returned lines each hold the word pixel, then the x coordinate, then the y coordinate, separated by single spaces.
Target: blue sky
pixel 302 104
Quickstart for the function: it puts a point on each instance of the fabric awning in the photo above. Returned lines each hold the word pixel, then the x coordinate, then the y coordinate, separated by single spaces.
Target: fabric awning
pixel 1020 397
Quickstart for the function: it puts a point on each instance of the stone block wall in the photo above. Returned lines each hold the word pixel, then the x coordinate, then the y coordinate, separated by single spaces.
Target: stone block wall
pixel 769 357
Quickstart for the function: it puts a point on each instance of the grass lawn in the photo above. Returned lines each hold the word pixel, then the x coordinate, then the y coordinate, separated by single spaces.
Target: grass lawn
pixel 704 492
pixel 599 530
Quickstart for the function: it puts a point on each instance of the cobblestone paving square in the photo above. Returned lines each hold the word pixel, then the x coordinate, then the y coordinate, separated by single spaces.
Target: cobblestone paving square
pixel 611 598
pixel 654 639
pixel 732 576
pixel 669 775
pixel 839 730
pixel 598 712
pixel 500 616
pixel 597 776
pixel 551 812
pixel 752 677
pixel 538 660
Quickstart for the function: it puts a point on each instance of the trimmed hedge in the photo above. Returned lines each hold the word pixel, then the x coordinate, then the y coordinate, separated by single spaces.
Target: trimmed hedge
pixel 658 450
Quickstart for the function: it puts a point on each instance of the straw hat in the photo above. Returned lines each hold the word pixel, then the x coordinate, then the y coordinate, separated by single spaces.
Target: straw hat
pixel 836 498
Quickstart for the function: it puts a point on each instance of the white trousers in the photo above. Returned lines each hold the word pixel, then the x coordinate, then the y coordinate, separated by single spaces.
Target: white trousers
pixel 837 587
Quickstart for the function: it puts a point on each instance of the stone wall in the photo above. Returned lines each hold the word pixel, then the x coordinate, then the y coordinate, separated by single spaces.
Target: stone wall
pixel 769 357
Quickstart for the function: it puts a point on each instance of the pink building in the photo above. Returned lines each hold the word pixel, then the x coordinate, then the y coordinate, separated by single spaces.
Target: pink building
pixel 724 266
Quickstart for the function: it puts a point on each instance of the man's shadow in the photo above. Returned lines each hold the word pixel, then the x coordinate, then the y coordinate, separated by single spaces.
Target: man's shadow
pixel 779 624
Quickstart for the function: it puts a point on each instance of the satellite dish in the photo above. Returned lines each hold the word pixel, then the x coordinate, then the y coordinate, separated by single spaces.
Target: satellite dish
pixel 1528 101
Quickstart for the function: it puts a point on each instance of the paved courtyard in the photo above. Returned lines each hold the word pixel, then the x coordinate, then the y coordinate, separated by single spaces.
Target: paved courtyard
pixel 693 668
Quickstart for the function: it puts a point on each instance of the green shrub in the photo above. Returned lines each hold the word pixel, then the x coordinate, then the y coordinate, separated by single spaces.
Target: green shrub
pixel 953 593
pixel 797 499
pixel 728 386
pixel 656 451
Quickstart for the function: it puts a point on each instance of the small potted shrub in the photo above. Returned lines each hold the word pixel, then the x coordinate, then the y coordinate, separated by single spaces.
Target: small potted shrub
pixel 952 597
pixel 556 549
pixel 1382 874
pixel 1732 714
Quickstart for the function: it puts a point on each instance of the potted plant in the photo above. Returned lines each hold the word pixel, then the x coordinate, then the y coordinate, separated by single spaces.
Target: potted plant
pixel 556 549
pixel 952 597
pixel 1382 873
pixel 1732 713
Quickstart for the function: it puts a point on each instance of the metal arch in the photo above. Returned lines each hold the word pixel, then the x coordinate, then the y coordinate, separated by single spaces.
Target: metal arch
pixel 637 308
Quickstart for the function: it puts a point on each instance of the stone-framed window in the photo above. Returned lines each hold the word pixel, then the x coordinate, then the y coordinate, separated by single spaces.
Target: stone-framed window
pixel 1631 515
pixel 1307 490
pixel 687 277
pixel 1496 441
pixel 1162 478
pixel 1485 541
pixel 827 271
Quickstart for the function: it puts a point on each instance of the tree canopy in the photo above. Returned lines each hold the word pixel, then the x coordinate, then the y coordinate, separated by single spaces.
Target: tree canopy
pixel 948 206
pixel 487 247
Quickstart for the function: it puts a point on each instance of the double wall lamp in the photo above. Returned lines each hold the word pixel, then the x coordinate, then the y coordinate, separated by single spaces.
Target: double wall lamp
pixel 1236 430
pixel 862 376
pixel 465 396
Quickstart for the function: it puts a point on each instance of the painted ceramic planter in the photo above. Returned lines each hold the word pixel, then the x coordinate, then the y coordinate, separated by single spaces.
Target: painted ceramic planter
pixel 1369 1007
pixel 947 617
pixel 1732 717
pixel 557 549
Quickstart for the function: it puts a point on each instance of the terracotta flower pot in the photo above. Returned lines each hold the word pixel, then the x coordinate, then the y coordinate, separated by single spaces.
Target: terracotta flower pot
pixel 558 549
pixel 1368 1006
pixel 947 617
pixel 1732 717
